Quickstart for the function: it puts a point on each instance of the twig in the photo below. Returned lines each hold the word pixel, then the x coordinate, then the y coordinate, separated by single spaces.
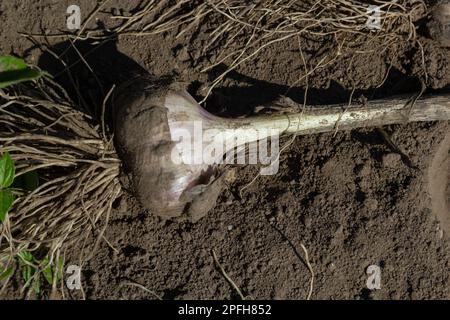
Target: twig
pixel 137 285
pixel 311 270
pixel 230 281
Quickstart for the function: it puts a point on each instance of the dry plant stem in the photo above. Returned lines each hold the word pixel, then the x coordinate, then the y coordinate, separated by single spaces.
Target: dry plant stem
pixel 311 270
pixel 328 118
pixel 140 286
pixel 227 277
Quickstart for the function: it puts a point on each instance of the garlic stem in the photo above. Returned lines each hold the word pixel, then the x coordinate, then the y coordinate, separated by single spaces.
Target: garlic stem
pixel 341 117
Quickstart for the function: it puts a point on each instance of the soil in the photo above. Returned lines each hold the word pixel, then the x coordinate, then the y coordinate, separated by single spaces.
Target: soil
pixel 349 198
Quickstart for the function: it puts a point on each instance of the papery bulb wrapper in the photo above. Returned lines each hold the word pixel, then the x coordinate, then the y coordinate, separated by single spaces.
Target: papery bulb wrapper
pixel 145 119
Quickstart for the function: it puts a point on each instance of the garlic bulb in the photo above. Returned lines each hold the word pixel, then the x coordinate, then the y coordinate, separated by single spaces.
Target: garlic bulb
pixel 173 147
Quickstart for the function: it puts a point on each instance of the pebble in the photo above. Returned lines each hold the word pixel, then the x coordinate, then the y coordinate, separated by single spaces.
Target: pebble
pixel 391 160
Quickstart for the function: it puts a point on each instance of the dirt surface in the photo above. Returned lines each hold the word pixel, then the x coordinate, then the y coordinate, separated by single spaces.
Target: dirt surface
pixel 349 198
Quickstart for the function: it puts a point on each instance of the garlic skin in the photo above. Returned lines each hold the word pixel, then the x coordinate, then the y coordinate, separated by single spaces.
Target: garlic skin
pixel 145 118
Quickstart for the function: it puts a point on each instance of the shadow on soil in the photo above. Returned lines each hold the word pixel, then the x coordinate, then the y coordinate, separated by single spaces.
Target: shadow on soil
pixel 88 80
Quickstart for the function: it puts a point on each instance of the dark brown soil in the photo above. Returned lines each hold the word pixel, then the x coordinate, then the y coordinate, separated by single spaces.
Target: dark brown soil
pixel 349 198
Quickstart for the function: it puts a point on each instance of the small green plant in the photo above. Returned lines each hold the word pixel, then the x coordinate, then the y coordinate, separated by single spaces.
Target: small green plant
pixel 35 271
pixel 14 70
pixel 5 272
pixel 7 175
pixel 27 182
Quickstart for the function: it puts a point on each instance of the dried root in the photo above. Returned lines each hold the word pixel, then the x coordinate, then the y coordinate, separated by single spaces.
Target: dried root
pixel 77 168
pixel 238 31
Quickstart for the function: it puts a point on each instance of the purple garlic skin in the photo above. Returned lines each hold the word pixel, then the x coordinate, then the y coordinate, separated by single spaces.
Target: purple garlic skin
pixel 145 116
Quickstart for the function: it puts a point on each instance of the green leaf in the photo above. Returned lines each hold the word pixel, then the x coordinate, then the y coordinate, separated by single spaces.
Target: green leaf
pixel 60 268
pixel 7 171
pixel 6 201
pixel 10 63
pixel 27 272
pixel 48 275
pixel 47 271
pixel 6 274
pixel 26 256
pixel 37 285
pixel 14 70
